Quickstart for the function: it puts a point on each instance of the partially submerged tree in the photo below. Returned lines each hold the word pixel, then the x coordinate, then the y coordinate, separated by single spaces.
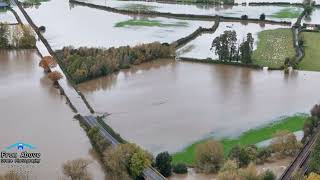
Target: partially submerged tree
pixel 77 169
pixel 209 156
pixel 284 143
pixel 163 163
pixel 55 76
pixel 47 62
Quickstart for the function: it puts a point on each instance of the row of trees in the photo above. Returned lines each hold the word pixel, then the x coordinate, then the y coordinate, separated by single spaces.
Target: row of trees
pixel 227 48
pixel 87 63
pixel 17 36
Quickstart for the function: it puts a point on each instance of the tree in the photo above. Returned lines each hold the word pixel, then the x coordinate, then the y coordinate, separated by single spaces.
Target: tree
pixel 229 171
pixel 285 143
pixel 163 163
pixel 313 176
pixel 269 175
pixel 249 173
pixel 180 168
pixel 97 140
pixel 126 159
pixel 315 111
pixel 77 169
pixel 262 17
pixel 12 175
pixel 313 163
pixel 242 155
pixel 246 48
pixel 55 76
pixel 4 42
pixel 244 17
pixel 209 156
pixel 47 62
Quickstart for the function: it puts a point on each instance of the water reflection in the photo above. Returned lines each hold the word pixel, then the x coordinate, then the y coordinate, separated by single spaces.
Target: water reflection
pixel 190 101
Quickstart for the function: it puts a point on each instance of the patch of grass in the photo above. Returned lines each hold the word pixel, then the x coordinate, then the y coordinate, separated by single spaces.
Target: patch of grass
pixel 253 136
pixel 138 7
pixel 311 60
pixel 274 46
pixel 208 1
pixel 289 12
pixel 150 23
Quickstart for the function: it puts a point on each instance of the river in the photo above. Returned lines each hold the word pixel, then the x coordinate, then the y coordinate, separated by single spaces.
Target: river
pixel 165 105
pixel 33 111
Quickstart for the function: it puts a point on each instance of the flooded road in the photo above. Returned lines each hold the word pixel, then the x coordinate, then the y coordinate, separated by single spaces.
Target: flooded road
pixel 166 105
pixel 200 47
pixel 33 111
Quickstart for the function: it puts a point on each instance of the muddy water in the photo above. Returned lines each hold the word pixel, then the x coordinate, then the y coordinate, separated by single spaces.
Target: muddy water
pixel 165 105
pixel 200 47
pixel 201 9
pixel 7 17
pixel 32 111
pixel 83 26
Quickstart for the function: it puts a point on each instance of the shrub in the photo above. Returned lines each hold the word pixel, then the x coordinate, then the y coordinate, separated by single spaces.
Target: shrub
pixel 313 176
pixel 285 143
pixel 262 17
pixel 249 173
pixel 229 171
pixel 313 163
pixel 264 154
pixel 244 17
pixel 77 169
pixel 269 175
pixel 315 111
pixel 180 168
pixel 209 156
pixel 163 163
pixel 243 155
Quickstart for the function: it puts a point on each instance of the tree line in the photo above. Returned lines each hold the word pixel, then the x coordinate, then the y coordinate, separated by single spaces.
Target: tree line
pixel 16 36
pixel 227 48
pixel 87 63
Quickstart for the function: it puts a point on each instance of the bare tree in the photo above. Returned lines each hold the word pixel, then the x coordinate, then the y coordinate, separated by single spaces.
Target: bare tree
pixel 77 169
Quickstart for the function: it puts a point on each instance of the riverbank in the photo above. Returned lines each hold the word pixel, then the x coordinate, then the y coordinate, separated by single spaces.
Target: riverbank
pixel 253 136
pixel 310 61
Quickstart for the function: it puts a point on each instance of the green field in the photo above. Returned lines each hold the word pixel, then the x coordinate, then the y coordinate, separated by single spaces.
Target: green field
pixel 273 47
pixel 289 12
pixel 253 136
pixel 150 23
pixel 311 60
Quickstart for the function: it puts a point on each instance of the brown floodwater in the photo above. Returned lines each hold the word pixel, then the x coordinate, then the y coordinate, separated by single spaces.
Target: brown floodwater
pixel 166 105
pixel 32 111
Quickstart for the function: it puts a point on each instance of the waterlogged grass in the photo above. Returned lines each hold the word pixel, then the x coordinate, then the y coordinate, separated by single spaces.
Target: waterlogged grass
pixel 150 23
pixel 289 12
pixel 273 47
pixel 138 7
pixel 311 60
pixel 253 136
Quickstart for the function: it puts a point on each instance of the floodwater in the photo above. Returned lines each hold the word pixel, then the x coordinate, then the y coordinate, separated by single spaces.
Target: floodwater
pixel 314 18
pixel 166 105
pixel 33 111
pixel 200 47
pixel 83 26
pixel 201 9
pixel 7 17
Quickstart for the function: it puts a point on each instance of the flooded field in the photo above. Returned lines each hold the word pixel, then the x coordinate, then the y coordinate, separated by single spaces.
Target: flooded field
pixel 32 111
pixel 200 47
pixel 83 26
pixel 200 9
pixel 7 17
pixel 166 105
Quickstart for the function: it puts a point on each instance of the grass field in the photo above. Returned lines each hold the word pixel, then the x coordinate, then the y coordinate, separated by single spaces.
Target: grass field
pixel 311 60
pixel 150 23
pixel 289 12
pixel 273 47
pixel 253 136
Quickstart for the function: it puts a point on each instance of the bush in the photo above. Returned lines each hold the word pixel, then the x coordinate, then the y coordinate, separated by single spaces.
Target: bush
pixel 313 163
pixel 264 154
pixel 262 17
pixel 180 168
pixel 269 175
pixel 229 171
pixel 243 155
pixel 244 17
pixel 249 173
pixel 209 156
pixel 284 143
pixel 163 163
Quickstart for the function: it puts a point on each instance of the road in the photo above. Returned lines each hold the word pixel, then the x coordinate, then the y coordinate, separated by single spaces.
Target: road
pixel 148 173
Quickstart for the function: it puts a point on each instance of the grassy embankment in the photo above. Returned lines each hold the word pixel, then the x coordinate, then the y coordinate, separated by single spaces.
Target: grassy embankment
pixel 311 60
pixel 290 12
pixel 253 136
pixel 150 23
pixel 273 47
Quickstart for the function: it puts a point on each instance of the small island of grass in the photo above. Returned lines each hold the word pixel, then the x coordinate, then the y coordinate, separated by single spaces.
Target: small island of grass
pixel 273 47
pixel 150 23
pixel 138 7
pixel 289 12
pixel 253 136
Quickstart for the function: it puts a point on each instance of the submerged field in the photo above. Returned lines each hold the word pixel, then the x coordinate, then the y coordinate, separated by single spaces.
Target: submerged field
pixel 289 12
pixel 150 23
pixel 252 136
pixel 311 59
pixel 273 47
